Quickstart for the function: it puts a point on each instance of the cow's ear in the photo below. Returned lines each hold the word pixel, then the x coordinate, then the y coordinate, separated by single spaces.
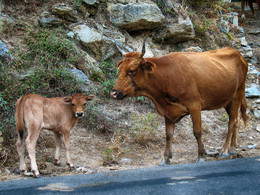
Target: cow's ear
pixel 90 97
pixel 119 63
pixel 67 100
pixel 148 66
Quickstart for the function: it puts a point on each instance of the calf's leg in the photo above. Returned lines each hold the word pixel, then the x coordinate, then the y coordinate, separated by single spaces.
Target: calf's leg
pixel 58 147
pixel 20 145
pixel 67 146
pixel 33 134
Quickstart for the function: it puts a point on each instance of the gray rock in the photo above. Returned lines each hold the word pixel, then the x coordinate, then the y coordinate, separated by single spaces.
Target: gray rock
pixel 50 21
pixel 253 91
pixel 4 52
pixel 134 17
pixel 91 2
pixel 6 22
pixel 252 146
pixel 103 47
pixel 81 77
pixel 65 11
pixel 247 51
pixel 178 32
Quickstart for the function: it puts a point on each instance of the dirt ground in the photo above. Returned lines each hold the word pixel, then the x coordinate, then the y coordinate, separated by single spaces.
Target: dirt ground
pixel 90 148
pixel 112 149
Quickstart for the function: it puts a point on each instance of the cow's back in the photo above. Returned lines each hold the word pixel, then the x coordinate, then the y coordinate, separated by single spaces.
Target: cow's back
pixel 214 76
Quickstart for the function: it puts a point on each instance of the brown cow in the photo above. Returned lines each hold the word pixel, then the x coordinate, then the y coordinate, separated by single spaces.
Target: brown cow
pixel 250 3
pixel 187 83
pixel 60 115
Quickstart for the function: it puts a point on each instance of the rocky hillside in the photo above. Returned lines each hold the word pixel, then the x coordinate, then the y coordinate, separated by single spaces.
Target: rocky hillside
pixel 56 49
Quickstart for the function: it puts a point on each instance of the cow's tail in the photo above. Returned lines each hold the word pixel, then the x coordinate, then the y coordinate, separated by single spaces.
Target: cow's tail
pixel 243 108
pixel 19 117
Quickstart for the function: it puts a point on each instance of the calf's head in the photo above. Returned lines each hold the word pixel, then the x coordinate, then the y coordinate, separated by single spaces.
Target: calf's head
pixel 78 103
pixel 133 75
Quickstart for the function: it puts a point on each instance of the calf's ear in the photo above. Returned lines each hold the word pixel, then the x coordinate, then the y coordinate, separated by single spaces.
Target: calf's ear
pixel 67 100
pixel 148 66
pixel 90 97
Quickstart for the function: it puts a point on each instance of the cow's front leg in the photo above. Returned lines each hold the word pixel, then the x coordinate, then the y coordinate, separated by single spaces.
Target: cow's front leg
pixel 58 147
pixel 196 120
pixel 67 146
pixel 169 125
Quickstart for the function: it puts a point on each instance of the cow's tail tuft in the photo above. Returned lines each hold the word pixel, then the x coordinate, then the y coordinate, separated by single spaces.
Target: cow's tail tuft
pixel 243 108
pixel 19 116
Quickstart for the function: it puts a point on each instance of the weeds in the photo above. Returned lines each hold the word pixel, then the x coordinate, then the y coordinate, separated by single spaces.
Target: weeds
pixel 144 128
pixel 110 72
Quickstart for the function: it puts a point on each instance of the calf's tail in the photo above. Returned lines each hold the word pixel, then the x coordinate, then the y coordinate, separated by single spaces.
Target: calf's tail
pixel 19 117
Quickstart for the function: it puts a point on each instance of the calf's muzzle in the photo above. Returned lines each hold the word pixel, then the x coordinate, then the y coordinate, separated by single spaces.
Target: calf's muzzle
pixel 79 114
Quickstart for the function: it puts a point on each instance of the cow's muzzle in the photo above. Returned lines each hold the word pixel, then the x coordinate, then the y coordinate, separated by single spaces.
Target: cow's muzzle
pixel 116 94
pixel 79 114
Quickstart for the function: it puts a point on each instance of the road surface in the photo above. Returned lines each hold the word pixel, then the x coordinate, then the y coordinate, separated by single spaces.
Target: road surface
pixel 238 176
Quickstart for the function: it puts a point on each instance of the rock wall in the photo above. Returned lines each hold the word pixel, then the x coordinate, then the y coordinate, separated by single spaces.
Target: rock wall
pixel 106 29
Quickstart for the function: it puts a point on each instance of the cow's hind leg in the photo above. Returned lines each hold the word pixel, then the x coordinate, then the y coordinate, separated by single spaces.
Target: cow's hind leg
pixel 20 145
pixel 169 139
pixel 33 134
pixel 58 147
pixel 231 140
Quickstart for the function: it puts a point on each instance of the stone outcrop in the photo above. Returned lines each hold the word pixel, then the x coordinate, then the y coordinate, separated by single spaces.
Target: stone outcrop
pixel 135 17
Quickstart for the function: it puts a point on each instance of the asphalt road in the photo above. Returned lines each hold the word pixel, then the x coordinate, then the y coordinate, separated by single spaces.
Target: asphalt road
pixel 239 176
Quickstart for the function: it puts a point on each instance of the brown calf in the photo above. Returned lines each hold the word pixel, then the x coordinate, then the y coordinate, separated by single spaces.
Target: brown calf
pixel 60 115
pixel 250 3
pixel 187 83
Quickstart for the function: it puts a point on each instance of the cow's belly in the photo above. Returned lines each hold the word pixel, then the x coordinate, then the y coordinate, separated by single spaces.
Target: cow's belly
pixel 218 98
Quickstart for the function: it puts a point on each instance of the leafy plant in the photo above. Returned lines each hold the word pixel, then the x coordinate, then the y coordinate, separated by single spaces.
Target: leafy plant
pixel 144 127
pixel 110 71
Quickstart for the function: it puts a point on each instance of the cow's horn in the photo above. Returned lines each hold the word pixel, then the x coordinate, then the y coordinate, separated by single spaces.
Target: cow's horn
pixel 143 49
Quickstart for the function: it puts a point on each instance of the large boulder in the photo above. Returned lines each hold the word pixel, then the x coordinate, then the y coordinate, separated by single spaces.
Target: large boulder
pixel 180 32
pixel 6 23
pixel 102 44
pixel 134 17
pixel 64 11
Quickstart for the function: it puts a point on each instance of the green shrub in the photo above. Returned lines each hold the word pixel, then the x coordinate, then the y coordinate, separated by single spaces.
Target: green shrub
pixel 111 73
pixel 145 127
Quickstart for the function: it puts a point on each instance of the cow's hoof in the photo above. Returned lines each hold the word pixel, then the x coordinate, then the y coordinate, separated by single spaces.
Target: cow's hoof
pixel 164 162
pixel 223 155
pixel 232 152
pixel 201 160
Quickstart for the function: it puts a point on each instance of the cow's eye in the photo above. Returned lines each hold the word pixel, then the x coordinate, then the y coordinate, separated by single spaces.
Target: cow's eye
pixel 73 104
pixel 132 72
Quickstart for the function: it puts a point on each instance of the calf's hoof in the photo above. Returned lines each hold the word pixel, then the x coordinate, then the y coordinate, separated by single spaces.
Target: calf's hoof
pixel 36 174
pixel 56 162
pixel 71 166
